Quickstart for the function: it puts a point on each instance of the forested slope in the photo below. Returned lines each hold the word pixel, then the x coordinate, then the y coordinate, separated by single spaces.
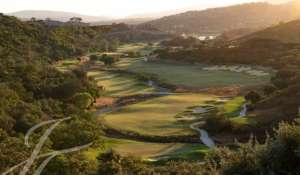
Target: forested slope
pixel 32 91
pixel 218 20
pixel 285 32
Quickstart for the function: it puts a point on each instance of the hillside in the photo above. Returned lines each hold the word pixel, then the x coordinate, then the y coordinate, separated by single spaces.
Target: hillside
pixel 129 21
pixel 284 32
pixel 55 15
pixel 33 91
pixel 218 20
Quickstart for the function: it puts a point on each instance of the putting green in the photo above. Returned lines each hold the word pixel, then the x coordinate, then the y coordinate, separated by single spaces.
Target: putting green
pixel 191 75
pixel 157 117
pixel 120 85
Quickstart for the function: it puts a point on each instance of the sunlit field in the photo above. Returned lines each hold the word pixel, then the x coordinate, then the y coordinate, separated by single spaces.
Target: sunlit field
pixel 139 47
pixel 148 151
pixel 191 75
pixel 116 84
pixel 65 65
pixel 156 117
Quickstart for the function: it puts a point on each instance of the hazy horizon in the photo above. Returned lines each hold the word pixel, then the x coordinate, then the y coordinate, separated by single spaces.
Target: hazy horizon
pixel 118 9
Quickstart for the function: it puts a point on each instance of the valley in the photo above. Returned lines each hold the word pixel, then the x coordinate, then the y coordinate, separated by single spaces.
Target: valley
pixel 165 126
pixel 151 97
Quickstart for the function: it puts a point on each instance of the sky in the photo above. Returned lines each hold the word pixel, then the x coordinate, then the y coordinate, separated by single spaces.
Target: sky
pixel 113 8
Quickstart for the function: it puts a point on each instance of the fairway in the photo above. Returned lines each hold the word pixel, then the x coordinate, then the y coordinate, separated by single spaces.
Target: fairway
pixel 191 75
pixel 156 117
pixel 139 47
pixel 233 107
pixel 120 85
pixel 146 150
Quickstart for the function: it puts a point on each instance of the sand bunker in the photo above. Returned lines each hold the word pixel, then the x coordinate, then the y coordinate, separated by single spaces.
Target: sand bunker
pixel 241 69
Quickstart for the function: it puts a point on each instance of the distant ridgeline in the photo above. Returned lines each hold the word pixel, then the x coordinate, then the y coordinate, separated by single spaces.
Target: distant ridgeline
pixel 218 20
pixel 49 41
pixel 39 40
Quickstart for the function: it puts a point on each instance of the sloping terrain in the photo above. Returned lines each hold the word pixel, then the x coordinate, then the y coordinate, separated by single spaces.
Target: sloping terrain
pixel 218 20
pixel 285 32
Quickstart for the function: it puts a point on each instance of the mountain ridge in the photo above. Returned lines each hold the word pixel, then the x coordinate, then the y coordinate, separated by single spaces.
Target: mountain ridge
pixel 56 15
pixel 218 20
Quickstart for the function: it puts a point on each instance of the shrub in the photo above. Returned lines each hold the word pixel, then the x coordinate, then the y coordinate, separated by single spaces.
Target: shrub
pixel 108 60
pixel 82 100
pixel 218 123
pixel 253 97
pixel 278 155
pixel 94 57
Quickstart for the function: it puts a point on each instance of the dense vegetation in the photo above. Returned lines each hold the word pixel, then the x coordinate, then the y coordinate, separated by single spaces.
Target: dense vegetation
pixel 284 32
pixel 251 158
pixel 128 33
pixel 36 39
pixel 32 91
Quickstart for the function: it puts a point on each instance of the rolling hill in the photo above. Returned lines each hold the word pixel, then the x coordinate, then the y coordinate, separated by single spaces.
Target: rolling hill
pixel 55 15
pixel 218 20
pixel 285 32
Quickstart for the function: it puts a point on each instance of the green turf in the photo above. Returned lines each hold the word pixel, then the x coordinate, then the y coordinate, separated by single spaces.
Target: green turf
pixel 188 152
pixel 120 85
pixel 131 47
pixel 233 107
pixel 156 116
pixel 191 75
pixel 147 150
pixel 139 47
pixel 66 65
pixel 247 120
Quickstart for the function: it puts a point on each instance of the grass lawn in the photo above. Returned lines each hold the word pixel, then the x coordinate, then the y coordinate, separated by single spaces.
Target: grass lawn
pixel 131 47
pixel 156 116
pixel 66 65
pixel 248 120
pixel 191 75
pixel 139 47
pixel 146 150
pixel 233 107
pixel 120 85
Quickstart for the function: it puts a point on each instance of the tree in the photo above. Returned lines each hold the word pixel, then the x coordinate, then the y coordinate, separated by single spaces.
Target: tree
pixel 71 164
pixel 112 163
pixel 108 60
pixel 81 130
pixel 253 158
pixel 109 163
pixel 253 97
pixel 83 100
pixel 269 89
pixel 12 150
pixel 94 57
pixel 75 19
pixel 104 45
pixel 113 45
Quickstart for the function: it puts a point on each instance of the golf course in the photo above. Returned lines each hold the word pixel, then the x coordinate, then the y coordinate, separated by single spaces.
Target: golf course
pixel 191 75
pixel 170 114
